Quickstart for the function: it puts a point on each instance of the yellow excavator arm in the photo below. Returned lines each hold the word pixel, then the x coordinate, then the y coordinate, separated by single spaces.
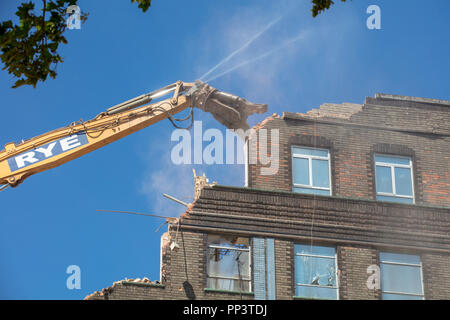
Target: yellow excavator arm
pixel 49 150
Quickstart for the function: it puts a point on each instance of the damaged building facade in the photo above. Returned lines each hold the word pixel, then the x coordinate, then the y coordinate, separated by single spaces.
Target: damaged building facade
pixel 359 209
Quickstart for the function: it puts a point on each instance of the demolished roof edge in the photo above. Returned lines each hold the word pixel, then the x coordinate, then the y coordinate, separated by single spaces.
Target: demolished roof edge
pixel 385 96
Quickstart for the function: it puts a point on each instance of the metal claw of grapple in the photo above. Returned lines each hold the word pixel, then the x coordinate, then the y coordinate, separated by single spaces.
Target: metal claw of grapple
pixel 230 110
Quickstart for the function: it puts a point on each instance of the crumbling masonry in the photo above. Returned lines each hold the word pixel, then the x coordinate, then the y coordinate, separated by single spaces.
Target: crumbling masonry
pixel 348 214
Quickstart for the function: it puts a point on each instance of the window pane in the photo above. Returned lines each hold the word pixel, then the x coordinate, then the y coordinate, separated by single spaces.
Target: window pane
pixel 391 159
pixel 395 199
pixel 312 191
pixel 315 277
pixel 315 250
pixel 315 271
pixel 383 179
pixel 227 241
pixel 403 184
pixel 310 152
pixel 224 263
pixel 320 173
pixel 228 284
pixel 300 171
pixel 406 279
pixel 391 296
pixel 399 258
pixel 316 292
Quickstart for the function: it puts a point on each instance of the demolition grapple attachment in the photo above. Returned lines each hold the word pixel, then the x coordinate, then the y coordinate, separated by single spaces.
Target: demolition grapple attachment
pixel 230 110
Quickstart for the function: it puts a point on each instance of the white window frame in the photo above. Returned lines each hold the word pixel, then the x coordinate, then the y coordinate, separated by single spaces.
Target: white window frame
pixel 417 265
pixel 310 158
pixel 249 250
pixel 335 271
pixel 392 166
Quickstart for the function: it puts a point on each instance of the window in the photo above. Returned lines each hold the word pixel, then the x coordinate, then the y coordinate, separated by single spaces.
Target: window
pixel 393 178
pixel 315 272
pixel 228 263
pixel 401 277
pixel 311 170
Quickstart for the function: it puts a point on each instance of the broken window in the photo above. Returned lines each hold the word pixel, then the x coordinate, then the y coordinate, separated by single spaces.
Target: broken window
pixel 393 178
pixel 401 276
pixel 311 170
pixel 228 261
pixel 315 272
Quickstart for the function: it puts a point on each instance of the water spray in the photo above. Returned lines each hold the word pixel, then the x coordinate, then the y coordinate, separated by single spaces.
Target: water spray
pixel 231 55
pixel 260 57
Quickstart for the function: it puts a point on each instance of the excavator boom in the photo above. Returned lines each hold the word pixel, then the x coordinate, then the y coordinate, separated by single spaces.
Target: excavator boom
pixel 49 150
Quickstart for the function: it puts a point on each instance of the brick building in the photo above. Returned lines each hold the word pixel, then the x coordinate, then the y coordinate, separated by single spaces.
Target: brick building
pixel 358 209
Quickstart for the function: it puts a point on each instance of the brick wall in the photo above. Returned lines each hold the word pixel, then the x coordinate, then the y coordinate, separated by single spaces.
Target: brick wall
pixel 186 274
pixel 284 269
pixel 352 265
pixel 417 130
pixel 436 276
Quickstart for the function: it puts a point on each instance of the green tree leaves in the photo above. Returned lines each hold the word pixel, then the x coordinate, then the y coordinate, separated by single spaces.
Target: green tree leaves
pixel 321 5
pixel 143 4
pixel 29 50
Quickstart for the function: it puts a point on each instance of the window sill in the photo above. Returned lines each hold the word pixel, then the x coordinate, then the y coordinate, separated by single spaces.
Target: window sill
pixel 394 201
pixel 309 298
pixel 228 291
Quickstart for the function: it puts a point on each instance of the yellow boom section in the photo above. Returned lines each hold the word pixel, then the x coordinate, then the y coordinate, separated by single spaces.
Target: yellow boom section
pixel 49 150
pixel 18 162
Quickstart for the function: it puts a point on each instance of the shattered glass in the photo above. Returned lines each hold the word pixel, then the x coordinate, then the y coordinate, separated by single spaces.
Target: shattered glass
pixel 315 272
pixel 228 263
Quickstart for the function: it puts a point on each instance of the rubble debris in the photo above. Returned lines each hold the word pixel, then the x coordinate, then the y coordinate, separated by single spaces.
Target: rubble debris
pixel 143 280
pixel 264 122
pixel 165 242
pixel 199 183
pixel 108 290
pixel 333 110
pixel 174 246
pixel 168 242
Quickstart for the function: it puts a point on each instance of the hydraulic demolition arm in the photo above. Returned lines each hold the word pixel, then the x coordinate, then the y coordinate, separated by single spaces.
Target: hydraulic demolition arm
pixel 51 149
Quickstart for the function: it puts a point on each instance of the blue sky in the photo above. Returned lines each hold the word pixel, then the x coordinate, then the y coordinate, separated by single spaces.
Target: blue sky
pixel 50 221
